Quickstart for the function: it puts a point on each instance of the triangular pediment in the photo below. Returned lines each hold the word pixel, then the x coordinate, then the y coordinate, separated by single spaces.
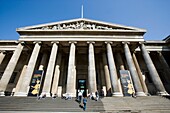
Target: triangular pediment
pixel 80 24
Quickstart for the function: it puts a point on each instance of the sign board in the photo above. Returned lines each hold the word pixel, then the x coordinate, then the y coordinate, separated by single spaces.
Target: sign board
pixel 35 83
pixel 126 81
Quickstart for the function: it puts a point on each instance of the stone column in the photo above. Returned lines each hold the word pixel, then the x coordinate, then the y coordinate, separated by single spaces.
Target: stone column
pixel 71 85
pixel 98 78
pixel 50 70
pixel 56 75
pixel 120 67
pixel 153 72
pixel 10 68
pixel 2 55
pixel 140 74
pixel 120 61
pixel 63 75
pixel 92 88
pixel 19 83
pixel 23 91
pixel 107 76
pixel 43 61
pixel 131 65
pixel 164 64
pixel 113 71
pixel 101 71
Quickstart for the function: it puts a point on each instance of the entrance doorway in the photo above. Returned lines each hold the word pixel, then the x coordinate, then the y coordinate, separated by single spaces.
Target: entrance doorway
pixel 82 86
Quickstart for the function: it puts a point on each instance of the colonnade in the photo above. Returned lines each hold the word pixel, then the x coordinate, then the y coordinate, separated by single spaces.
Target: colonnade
pixel 53 71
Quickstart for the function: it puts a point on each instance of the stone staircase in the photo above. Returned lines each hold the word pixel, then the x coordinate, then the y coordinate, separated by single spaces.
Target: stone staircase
pixel 150 104
pixel 46 105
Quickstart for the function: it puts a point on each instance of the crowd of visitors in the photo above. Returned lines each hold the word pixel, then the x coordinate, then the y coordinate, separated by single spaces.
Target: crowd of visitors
pixel 81 97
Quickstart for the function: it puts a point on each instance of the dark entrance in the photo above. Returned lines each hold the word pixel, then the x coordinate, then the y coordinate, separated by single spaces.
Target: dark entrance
pixel 82 86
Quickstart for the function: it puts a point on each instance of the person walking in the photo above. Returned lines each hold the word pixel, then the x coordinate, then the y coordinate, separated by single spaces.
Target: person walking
pixel 80 96
pixel 102 93
pixel 97 95
pixel 54 96
pixel 84 103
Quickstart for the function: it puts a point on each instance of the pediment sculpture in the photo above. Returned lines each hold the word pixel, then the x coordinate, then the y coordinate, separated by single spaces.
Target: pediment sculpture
pixel 78 25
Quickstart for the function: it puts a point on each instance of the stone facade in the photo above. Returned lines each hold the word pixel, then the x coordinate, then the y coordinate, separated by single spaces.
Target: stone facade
pixel 83 51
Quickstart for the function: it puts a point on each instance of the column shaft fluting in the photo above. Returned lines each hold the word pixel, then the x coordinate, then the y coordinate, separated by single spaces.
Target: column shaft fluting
pixel 23 91
pixel 113 72
pixel 101 71
pixel 107 76
pixel 91 70
pixel 131 65
pixel 56 76
pixel 20 80
pixel 10 68
pixel 71 87
pixel 50 71
pixel 153 72
pixel 120 64
pixel 140 74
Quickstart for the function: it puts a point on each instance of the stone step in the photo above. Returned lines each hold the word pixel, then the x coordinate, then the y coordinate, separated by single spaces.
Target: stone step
pixel 107 104
pixel 47 104
pixel 139 103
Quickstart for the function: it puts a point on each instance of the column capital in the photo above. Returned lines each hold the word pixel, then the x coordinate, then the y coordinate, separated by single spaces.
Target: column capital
pixel 35 42
pixel 108 42
pixel 125 42
pixel 142 43
pixel 3 51
pixel 20 42
pixel 57 42
pixel 143 47
pixel 75 42
pixel 90 42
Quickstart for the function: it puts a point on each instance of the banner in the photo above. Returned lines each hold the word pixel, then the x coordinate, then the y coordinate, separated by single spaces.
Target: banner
pixel 35 83
pixel 127 85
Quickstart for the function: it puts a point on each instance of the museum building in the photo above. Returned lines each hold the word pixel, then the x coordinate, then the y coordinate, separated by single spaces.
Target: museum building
pixel 84 55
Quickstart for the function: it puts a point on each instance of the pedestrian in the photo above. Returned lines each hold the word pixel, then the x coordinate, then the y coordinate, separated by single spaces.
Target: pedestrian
pixel 42 96
pixel 97 95
pixel 54 96
pixel 39 97
pixel 80 96
pixel 84 103
pixel 91 96
pixel 133 95
pixel 102 93
pixel 68 97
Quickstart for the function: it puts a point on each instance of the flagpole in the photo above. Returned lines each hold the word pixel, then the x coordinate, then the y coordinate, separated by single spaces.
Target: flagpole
pixel 82 11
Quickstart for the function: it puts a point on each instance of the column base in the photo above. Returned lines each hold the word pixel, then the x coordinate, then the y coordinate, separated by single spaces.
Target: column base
pixel 2 93
pixel 117 94
pixel 72 94
pixel 162 93
pixel 140 94
pixel 20 94
pixel 47 94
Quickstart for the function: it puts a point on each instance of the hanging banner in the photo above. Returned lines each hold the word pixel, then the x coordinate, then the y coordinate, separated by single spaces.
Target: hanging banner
pixel 35 83
pixel 126 81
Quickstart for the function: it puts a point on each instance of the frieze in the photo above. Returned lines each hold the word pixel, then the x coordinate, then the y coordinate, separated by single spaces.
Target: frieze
pixel 77 25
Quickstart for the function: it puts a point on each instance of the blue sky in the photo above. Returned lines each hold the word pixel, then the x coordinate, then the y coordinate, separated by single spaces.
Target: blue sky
pixel 152 15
